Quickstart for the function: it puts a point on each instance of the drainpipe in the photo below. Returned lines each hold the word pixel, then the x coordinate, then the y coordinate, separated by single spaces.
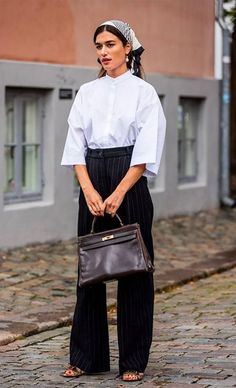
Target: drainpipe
pixel 225 198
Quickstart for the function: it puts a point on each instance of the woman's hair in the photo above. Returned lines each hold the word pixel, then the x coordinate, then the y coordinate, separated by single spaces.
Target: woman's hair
pixel 140 72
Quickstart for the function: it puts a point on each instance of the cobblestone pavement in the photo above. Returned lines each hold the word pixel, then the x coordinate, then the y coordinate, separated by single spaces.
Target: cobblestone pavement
pixel 194 343
pixel 38 281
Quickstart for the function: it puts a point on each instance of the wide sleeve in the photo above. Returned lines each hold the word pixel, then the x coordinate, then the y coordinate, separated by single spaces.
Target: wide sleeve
pixel 75 146
pixel 151 124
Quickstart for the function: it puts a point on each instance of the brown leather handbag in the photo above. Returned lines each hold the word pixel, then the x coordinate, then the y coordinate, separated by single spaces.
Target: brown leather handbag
pixel 109 255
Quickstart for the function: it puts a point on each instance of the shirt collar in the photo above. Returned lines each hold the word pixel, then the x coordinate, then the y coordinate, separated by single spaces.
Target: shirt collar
pixel 120 78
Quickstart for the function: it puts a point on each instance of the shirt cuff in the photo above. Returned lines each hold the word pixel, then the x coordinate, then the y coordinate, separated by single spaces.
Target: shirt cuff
pixel 72 157
pixel 151 167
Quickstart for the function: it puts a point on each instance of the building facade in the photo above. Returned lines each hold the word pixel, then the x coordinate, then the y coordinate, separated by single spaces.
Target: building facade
pixel 43 61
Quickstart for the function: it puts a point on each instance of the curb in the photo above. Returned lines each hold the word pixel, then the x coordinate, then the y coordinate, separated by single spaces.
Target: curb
pixel 220 262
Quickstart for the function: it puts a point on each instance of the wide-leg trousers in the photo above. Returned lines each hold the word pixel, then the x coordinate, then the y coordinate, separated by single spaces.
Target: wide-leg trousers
pixel 89 344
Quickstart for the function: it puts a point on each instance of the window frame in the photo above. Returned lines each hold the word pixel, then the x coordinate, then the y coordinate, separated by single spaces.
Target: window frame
pixel 19 96
pixel 182 179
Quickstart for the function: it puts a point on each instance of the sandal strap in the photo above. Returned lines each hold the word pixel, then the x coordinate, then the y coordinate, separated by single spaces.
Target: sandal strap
pixel 138 375
pixel 75 370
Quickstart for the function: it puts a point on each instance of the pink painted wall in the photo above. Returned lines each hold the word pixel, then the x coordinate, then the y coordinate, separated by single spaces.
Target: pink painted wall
pixel 178 35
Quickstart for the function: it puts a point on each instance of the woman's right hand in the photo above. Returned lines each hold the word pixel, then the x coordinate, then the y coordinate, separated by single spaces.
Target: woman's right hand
pixel 94 202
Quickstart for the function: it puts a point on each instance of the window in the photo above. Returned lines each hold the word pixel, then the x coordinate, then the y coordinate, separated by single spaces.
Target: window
pixel 188 121
pixel 23 145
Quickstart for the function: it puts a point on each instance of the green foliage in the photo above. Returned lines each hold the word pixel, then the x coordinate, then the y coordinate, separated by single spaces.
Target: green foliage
pixel 230 13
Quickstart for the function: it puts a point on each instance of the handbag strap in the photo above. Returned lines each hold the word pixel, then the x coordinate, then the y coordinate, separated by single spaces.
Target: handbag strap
pixel 95 218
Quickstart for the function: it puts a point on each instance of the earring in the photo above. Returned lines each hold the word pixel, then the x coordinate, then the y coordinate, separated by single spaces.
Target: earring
pixel 127 58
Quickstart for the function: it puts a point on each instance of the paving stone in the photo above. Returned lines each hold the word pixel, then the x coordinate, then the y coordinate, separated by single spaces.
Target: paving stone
pixel 176 385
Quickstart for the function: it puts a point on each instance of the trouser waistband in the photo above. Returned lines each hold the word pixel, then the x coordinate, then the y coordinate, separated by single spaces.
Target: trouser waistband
pixel 109 152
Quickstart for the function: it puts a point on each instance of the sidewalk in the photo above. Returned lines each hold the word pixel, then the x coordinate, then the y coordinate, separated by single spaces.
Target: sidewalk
pixel 193 343
pixel 38 282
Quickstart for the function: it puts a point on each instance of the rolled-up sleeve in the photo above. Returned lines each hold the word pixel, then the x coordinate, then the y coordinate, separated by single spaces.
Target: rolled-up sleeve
pixel 75 145
pixel 151 124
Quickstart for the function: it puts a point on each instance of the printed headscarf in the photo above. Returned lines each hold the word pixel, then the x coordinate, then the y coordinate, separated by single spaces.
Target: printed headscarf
pixel 130 36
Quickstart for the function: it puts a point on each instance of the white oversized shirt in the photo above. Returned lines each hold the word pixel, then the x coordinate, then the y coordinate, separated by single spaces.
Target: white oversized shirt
pixel 115 112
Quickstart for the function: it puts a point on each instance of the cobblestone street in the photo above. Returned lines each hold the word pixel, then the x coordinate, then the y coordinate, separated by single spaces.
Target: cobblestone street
pixel 38 282
pixel 194 343
pixel 194 327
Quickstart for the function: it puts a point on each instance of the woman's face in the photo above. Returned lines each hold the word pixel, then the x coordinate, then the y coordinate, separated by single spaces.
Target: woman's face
pixel 112 53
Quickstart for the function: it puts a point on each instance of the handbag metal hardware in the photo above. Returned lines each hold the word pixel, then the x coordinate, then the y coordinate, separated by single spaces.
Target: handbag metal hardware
pixel 108 237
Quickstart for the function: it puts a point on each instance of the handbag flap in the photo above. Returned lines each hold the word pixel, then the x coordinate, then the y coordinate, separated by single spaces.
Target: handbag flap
pixel 94 238
pixel 110 239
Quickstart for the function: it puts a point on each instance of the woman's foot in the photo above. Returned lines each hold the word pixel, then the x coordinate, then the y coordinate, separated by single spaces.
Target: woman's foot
pixel 132 375
pixel 73 371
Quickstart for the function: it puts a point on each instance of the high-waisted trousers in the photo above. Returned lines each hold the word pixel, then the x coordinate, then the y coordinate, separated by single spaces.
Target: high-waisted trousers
pixel 89 343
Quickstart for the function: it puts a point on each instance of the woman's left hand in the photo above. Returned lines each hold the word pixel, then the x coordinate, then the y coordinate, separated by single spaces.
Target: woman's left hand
pixel 113 202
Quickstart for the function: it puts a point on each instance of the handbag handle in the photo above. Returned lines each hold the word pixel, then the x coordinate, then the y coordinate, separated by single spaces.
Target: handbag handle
pixel 94 220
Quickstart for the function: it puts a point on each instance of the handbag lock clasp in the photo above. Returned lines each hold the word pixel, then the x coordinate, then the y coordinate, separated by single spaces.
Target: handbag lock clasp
pixel 109 237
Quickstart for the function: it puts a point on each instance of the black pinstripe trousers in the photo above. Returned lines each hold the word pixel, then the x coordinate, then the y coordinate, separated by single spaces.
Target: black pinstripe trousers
pixel 89 343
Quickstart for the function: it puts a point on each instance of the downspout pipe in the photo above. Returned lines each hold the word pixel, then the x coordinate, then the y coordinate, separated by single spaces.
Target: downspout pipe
pixel 225 198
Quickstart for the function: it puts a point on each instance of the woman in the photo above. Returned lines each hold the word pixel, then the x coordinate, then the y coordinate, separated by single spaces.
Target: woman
pixel 115 140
